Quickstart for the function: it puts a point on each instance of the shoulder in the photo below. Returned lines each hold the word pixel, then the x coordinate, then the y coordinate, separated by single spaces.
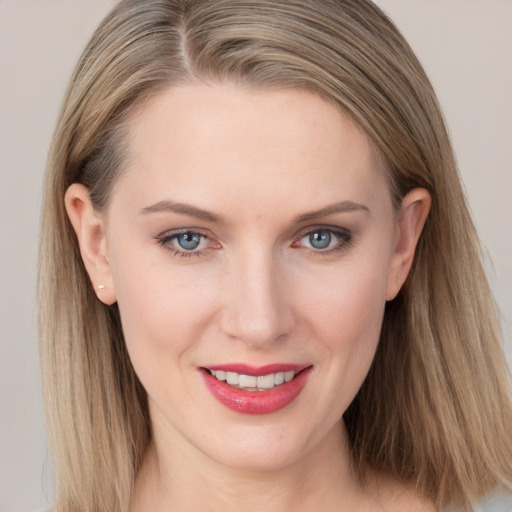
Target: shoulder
pixel 498 502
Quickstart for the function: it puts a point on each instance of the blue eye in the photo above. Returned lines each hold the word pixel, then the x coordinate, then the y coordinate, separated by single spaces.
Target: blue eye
pixel 320 239
pixel 186 243
pixel 325 240
pixel 189 240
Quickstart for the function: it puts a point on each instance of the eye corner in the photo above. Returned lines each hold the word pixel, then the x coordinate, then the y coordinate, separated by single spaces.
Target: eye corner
pixel 187 242
pixel 331 240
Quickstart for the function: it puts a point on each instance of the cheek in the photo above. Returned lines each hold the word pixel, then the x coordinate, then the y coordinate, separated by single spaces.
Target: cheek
pixel 350 332
pixel 347 306
pixel 162 310
pixel 346 316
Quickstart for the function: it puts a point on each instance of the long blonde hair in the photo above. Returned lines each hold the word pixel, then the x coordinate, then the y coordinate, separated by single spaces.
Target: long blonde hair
pixel 435 408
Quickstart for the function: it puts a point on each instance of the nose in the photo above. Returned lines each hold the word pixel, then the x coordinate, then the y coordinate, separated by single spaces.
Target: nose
pixel 257 304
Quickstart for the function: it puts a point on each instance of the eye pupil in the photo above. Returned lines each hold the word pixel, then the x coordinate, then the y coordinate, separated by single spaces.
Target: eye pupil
pixel 320 239
pixel 189 241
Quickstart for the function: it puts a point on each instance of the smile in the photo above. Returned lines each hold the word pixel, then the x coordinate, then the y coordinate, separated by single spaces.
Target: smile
pixel 252 390
pixel 251 382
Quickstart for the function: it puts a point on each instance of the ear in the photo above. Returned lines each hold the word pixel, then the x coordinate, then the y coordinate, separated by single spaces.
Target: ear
pixel 410 222
pixel 90 232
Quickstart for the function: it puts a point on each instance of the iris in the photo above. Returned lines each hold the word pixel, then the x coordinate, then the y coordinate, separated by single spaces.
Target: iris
pixel 320 239
pixel 189 241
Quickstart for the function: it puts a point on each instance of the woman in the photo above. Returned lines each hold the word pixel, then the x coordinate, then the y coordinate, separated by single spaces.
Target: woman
pixel 260 284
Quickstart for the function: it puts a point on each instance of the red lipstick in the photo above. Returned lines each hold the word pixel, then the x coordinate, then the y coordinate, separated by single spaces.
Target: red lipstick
pixel 261 401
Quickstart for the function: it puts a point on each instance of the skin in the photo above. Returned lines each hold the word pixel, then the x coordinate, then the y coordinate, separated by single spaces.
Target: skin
pixel 255 291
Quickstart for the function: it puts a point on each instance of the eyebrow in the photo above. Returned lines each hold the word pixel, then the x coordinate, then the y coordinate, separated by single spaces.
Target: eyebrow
pixel 183 209
pixel 204 215
pixel 333 209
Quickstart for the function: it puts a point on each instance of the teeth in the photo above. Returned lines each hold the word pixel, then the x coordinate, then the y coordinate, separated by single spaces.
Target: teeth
pixel 247 381
pixel 232 378
pixel 252 383
pixel 279 378
pixel 288 376
pixel 266 381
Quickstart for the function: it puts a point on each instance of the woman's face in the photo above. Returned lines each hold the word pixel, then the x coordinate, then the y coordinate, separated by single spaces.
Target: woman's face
pixel 251 233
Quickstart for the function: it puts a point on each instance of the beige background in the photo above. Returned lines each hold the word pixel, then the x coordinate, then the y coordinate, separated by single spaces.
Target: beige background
pixel 466 47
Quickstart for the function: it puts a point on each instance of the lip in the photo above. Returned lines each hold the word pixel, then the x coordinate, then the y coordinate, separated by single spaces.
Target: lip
pixel 255 371
pixel 256 402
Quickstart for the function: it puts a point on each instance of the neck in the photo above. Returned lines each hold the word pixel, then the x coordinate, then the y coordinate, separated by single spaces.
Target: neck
pixel 176 476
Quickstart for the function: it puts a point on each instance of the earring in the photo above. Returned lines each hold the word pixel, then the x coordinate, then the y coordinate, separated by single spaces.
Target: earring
pixel 101 287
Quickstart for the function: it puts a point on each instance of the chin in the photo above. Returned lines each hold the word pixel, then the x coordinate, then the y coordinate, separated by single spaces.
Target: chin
pixel 264 448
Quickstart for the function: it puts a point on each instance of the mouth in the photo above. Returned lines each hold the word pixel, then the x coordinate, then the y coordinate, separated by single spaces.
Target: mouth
pixel 253 382
pixel 256 390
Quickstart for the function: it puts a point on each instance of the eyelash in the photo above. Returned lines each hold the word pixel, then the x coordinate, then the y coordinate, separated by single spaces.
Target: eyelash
pixel 343 236
pixel 166 239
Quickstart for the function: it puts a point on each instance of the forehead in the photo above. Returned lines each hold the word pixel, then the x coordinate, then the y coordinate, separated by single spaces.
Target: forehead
pixel 199 140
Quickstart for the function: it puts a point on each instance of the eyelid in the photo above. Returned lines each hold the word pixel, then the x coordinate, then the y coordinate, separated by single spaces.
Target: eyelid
pixel 344 236
pixel 337 230
pixel 166 237
pixel 168 233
